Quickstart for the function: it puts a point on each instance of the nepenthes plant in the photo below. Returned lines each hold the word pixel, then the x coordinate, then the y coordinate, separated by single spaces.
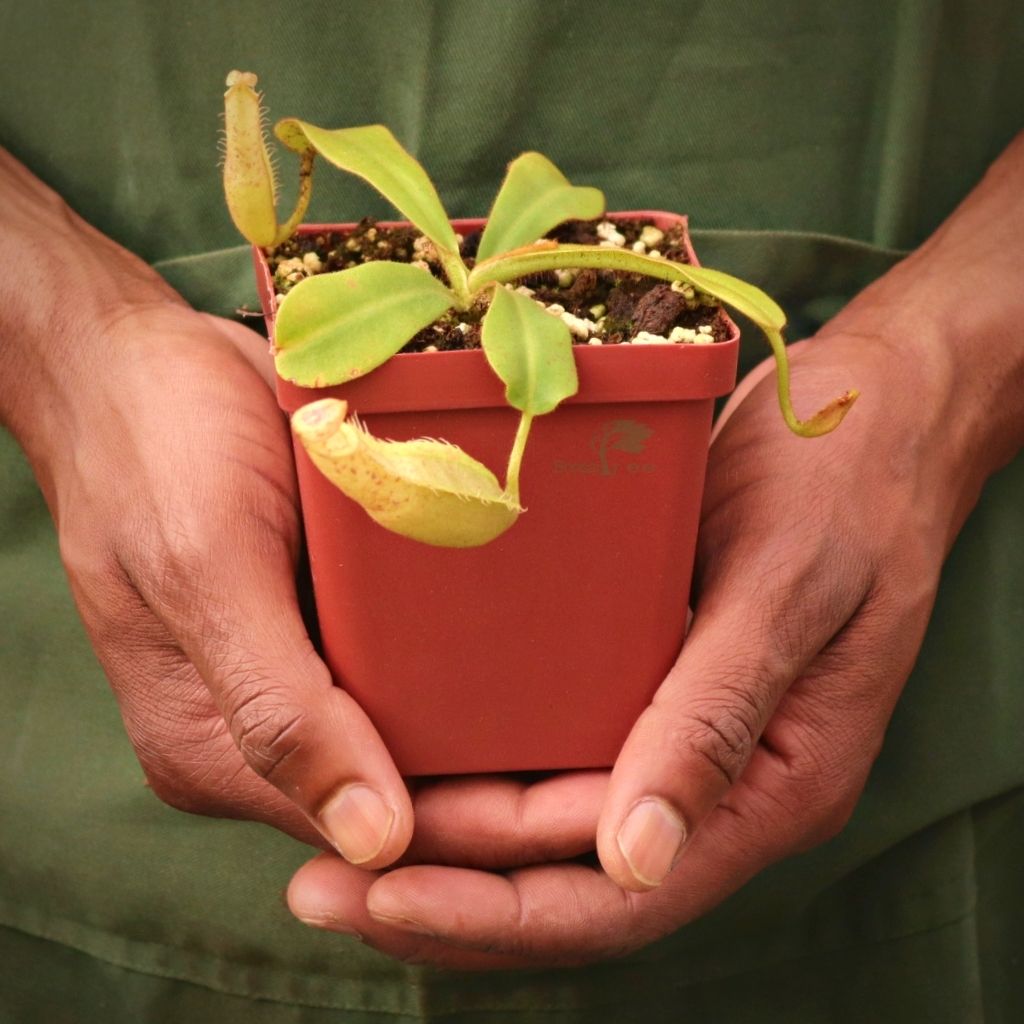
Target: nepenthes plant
pixel 334 327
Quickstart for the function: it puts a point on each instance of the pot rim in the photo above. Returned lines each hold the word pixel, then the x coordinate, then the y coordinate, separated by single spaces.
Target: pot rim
pixel 426 381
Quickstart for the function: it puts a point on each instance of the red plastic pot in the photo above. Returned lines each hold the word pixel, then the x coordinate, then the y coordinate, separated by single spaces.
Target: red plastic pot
pixel 539 650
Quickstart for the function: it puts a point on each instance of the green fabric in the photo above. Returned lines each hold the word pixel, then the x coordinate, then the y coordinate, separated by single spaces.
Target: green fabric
pixel 865 120
pixel 806 140
pixel 934 967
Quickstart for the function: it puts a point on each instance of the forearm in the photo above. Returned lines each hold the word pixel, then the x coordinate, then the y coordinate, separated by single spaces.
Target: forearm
pixel 61 282
pixel 956 308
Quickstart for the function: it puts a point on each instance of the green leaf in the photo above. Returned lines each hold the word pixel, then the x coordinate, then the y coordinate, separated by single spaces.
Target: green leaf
pixel 741 296
pixel 426 490
pixel 530 350
pixel 534 198
pixel 746 298
pixel 374 154
pixel 331 328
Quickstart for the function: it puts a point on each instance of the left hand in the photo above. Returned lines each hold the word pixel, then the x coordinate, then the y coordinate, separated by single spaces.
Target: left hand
pixel 817 566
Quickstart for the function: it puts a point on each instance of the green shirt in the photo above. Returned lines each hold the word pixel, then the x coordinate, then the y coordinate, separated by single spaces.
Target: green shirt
pixel 811 144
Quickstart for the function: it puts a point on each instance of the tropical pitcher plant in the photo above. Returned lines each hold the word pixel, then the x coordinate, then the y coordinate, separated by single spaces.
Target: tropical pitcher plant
pixel 334 327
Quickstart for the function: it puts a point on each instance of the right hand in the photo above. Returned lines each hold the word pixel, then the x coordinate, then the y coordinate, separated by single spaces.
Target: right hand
pixel 172 486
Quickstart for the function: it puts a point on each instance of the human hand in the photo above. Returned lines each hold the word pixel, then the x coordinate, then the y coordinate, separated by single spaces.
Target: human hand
pixel 817 566
pixel 175 505
pixel 817 569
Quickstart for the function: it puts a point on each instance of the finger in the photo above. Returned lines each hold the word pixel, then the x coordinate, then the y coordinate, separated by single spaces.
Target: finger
pixel 568 915
pixel 330 894
pixel 754 631
pixel 548 915
pixel 828 728
pixel 235 615
pixel 500 822
pixel 553 915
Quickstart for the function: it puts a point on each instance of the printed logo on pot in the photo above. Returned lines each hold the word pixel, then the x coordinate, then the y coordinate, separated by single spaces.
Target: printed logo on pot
pixel 628 436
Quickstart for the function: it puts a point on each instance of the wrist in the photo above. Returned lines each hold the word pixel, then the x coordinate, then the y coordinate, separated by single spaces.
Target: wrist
pixel 952 313
pixel 63 286
pixel 970 316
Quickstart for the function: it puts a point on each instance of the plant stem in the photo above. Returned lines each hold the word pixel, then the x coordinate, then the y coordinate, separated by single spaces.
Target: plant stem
pixel 458 277
pixel 302 200
pixel 515 458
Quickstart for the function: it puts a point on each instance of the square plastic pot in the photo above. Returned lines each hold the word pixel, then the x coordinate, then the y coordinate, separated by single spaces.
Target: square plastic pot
pixel 539 650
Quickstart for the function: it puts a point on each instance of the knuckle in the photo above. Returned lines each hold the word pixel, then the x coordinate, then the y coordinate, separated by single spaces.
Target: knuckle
pixel 171 555
pixel 818 798
pixel 722 732
pixel 826 822
pixel 174 556
pixel 270 733
pixel 723 739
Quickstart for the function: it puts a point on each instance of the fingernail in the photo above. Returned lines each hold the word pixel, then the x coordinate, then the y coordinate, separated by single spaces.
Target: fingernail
pixel 651 839
pixel 358 822
pixel 330 924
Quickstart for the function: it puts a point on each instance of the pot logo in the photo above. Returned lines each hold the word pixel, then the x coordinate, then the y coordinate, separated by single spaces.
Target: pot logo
pixel 626 436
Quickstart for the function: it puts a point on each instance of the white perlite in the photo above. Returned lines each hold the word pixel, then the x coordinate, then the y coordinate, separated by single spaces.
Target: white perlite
pixel 651 235
pixel 688 336
pixel 290 266
pixel 609 233
pixel 519 290
pixel 577 325
pixel 291 271
pixel 646 338
pixel 423 248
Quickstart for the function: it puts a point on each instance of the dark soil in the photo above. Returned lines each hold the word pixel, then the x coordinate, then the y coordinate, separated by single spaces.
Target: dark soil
pixel 621 305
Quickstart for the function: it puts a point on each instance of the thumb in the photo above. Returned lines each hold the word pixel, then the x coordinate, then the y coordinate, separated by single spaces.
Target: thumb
pixel 236 616
pixel 692 743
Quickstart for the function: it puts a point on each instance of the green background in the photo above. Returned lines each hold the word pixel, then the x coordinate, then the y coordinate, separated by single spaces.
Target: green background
pixel 811 143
